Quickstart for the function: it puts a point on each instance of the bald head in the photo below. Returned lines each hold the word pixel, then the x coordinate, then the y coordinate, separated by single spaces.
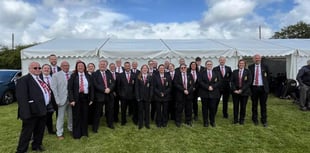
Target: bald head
pixel 65 66
pixel 34 68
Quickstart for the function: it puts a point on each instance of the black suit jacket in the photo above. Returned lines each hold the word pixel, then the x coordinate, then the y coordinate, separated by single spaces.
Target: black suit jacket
pixel 73 87
pixel 178 83
pixel 246 82
pixel 99 86
pixel 265 75
pixel 227 77
pixel 144 92
pixel 204 84
pixel 160 88
pixel 30 98
pixel 201 69
pixel 125 89
pixel 58 69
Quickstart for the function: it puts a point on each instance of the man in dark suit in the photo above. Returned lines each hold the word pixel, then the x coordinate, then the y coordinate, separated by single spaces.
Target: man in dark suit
pixel 209 83
pixel 33 95
pixel 103 87
pixel 184 85
pixel 116 98
pixel 225 75
pixel 53 64
pixel 126 90
pixel 133 108
pixel 260 89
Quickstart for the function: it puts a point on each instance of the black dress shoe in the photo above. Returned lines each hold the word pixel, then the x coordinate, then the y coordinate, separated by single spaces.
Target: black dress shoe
pixel 225 115
pixel 241 122
pixel 206 125
pixel 235 122
pixel 39 149
pixel 51 132
pixel 213 125
pixel 140 127
pixel 255 123
pixel 111 127
pixel 265 124
pixel 147 126
pixel 178 124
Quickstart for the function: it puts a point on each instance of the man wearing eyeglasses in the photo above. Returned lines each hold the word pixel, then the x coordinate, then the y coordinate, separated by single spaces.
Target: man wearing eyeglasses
pixel 33 95
pixel 184 85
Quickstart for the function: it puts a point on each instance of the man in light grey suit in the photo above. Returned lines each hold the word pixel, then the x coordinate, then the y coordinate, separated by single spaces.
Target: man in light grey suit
pixel 59 87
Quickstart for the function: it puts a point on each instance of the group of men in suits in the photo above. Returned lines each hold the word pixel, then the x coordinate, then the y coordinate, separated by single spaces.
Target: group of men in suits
pixel 114 88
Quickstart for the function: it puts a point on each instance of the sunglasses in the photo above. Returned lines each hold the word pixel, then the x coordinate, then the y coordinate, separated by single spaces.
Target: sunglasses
pixel 36 68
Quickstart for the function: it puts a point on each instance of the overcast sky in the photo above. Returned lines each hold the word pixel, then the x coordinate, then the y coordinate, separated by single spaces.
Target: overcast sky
pixel 41 20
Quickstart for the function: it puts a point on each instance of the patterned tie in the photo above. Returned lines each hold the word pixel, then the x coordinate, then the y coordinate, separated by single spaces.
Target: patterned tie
pixel 128 77
pixel 162 80
pixel 114 76
pixel 144 79
pixel 184 81
pixel 240 78
pixel 104 80
pixel 194 75
pixel 222 71
pixel 256 75
pixel 47 81
pixel 81 89
pixel 67 76
pixel 209 75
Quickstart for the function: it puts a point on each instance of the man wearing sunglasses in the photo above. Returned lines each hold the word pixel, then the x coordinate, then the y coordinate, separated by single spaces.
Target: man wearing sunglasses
pixel 33 96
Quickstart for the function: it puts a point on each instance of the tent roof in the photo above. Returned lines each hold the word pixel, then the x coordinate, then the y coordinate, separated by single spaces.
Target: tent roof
pixel 64 48
pixel 251 47
pixel 192 48
pixel 301 45
pixel 134 48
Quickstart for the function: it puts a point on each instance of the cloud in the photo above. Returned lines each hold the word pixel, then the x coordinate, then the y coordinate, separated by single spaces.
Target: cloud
pixel 16 14
pixel 300 12
pixel 94 19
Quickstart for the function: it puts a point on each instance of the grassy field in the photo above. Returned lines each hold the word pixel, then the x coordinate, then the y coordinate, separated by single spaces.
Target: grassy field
pixel 288 132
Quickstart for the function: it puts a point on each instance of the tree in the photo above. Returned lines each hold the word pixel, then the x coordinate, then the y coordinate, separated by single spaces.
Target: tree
pixel 298 31
pixel 10 58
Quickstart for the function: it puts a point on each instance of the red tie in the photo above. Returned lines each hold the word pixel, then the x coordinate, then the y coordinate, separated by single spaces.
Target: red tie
pixel 144 79
pixel 240 78
pixel 162 80
pixel 118 70
pixel 222 71
pixel 256 75
pixel 209 75
pixel 128 77
pixel 114 75
pixel 67 76
pixel 54 70
pixel 172 75
pixel 104 80
pixel 47 81
pixel 184 81
pixel 81 90
pixel 194 76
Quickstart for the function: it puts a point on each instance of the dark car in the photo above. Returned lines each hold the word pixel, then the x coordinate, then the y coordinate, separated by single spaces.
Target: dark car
pixel 7 85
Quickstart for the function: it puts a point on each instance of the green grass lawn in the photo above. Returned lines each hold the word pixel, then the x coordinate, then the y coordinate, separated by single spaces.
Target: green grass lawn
pixel 288 132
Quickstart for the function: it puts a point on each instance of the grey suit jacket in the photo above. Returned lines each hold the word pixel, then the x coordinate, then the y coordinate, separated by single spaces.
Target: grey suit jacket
pixel 59 87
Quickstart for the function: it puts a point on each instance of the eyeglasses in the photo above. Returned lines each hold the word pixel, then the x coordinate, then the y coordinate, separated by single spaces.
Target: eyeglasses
pixel 36 68
pixel 183 67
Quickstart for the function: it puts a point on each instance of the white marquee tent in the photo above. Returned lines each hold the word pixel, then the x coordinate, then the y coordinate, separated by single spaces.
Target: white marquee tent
pixel 295 52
